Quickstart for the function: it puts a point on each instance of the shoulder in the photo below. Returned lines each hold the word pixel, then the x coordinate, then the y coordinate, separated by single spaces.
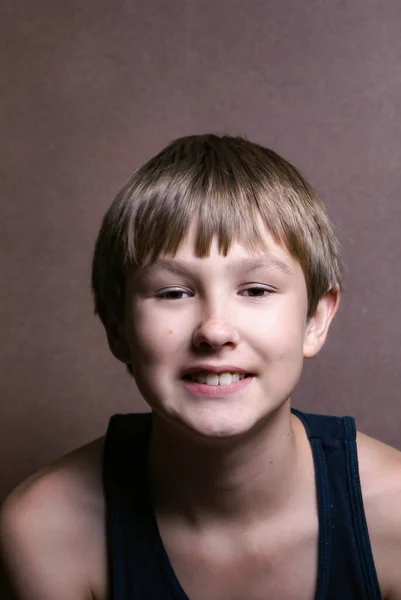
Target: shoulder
pixel 380 475
pixel 51 529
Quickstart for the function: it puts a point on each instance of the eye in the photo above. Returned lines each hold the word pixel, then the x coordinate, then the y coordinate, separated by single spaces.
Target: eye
pixel 256 291
pixel 172 294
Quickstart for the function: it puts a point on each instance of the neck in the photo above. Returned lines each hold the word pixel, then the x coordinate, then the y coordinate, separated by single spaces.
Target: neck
pixel 240 481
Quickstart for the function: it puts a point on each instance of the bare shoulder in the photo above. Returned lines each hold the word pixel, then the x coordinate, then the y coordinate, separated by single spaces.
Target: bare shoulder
pixel 380 475
pixel 52 530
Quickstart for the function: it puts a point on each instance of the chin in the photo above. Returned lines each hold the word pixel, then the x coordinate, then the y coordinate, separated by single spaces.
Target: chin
pixel 217 425
pixel 210 420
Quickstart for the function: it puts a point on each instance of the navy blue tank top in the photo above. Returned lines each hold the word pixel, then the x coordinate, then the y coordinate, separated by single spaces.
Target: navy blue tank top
pixel 139 567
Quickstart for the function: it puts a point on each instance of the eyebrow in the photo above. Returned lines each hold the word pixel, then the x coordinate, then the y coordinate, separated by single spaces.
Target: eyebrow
pixel 180 267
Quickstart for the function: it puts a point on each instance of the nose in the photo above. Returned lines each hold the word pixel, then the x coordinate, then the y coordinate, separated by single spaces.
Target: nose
pixel 215 332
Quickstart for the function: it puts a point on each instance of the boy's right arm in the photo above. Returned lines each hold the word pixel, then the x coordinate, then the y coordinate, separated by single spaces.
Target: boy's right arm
pixel 43 542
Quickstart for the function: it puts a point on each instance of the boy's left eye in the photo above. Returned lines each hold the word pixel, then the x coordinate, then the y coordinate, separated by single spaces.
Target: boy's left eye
pixel 257 292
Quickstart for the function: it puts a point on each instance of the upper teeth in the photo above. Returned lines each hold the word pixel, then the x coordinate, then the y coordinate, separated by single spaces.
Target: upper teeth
pixel 217 379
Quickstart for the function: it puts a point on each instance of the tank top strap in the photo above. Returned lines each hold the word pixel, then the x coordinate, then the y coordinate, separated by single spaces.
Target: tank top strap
pixel 327 428
pixel 133 569
pixel 346 565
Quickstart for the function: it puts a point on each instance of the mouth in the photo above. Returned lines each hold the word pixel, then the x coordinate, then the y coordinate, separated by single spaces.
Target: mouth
pixel 216 379
pixel 217 385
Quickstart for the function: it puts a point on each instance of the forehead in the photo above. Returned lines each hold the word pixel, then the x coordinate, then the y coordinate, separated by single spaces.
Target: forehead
pixel 240 257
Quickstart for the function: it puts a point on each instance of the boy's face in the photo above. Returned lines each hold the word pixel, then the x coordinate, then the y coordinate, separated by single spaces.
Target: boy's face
pixel 227 313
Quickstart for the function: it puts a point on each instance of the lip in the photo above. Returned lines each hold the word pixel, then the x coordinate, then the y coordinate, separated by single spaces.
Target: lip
pixel 216 391
pixel 204 368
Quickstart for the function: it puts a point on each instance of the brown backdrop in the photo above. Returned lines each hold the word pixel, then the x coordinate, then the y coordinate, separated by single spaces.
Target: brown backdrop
pixel 92 89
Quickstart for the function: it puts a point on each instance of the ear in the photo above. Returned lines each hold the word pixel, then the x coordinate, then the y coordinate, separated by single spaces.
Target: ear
pixel 118 342
pixel 318 325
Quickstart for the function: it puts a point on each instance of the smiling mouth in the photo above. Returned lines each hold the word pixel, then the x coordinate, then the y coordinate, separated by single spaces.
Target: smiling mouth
pixel 216 379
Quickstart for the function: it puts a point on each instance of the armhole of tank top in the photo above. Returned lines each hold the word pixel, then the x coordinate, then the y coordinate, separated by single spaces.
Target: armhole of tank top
pixel 358 513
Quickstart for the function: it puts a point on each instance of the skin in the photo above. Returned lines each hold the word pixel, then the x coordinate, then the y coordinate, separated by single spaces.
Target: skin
pixel 210 316
pixel 235 493
pixel 218 311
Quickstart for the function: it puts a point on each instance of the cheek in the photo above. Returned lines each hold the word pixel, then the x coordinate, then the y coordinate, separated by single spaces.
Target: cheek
pixel 281 332
pixel 152 339
pixel 282 355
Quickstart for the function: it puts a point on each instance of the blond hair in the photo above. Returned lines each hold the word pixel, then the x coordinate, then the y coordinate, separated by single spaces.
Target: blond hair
pixel 227 186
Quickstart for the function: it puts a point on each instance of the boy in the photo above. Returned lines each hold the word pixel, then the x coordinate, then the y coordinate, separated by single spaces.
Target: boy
pixel 215 273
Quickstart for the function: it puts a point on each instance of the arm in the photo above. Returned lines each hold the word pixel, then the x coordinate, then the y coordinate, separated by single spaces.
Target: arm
pixel 41 544
pixel 395 576
pixel 388 522
pixel 380 473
